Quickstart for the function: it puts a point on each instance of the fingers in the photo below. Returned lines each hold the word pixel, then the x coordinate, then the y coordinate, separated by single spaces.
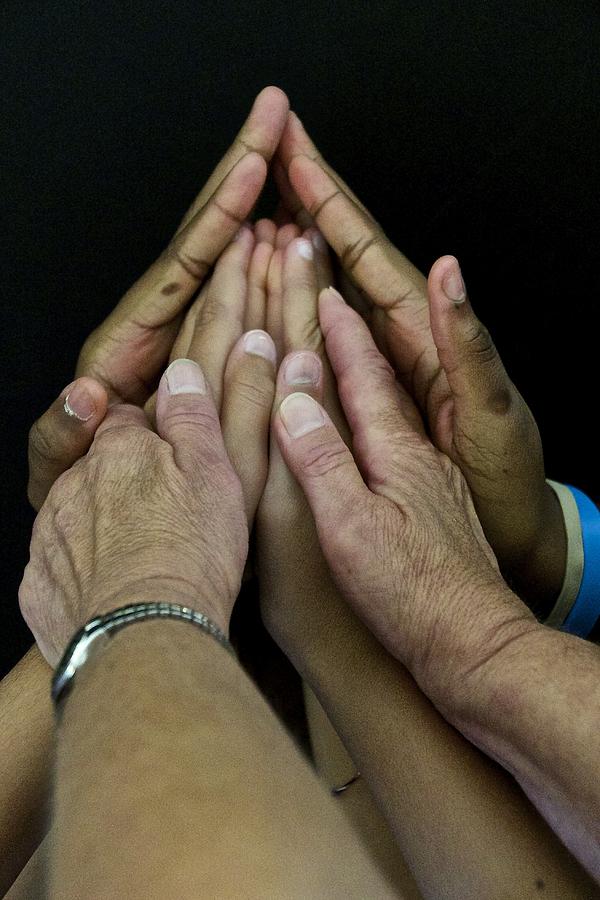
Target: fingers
pixel 275 300
pixel 164 290
pixel 321 463
pixel 220 321
pixel 246 412
pixel 475 373
pixel 294 142
pixel 260 134
pixel 186 417
pixel 300 292
pixel 63 435
pixel 286 234
pixel 256 306
pixel 382 417
pixel 265 231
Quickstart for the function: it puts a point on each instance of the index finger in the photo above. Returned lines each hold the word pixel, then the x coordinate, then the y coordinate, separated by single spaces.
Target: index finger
pixel 386 276
pixel 260 134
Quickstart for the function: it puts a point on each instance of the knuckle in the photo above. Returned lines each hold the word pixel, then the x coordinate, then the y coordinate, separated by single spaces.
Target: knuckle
pixel 42 444
pixel 479 344
pixel 196 267
pixel 353 253
pixel 325 457
pixel 255 392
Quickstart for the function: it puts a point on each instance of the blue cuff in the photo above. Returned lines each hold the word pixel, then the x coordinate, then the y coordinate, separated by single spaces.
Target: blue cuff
pixel 585 612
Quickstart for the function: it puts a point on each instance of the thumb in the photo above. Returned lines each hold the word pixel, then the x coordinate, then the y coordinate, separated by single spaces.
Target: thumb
pixel 186 417
pixel 63 434
pixel 475 373
pixel 321 463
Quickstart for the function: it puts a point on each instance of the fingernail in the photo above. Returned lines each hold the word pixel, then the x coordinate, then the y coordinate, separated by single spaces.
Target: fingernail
pixel 300 415
pixel 453 285
pixel 79 403
pixel 305 249
pixel 259 343
pixel 185 377
pixel 319 241
pixel 302 368
pixel 335 294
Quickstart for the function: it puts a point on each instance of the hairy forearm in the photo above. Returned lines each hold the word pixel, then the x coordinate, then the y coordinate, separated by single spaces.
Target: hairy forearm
pixel 535 707
pixel 459 820
pixel 26 729
pixel 174 769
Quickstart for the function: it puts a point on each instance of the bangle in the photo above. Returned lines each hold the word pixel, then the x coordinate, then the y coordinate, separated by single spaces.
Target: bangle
pixel 574 559
pixel 97 634
pixel 585 612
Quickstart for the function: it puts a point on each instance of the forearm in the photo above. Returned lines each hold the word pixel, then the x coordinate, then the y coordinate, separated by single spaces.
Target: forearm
pixel 459 820
pixel 26 729
pixel 535 707
pixel 172 766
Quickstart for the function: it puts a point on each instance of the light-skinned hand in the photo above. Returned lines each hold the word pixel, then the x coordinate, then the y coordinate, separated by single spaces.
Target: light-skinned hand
pixel 397 526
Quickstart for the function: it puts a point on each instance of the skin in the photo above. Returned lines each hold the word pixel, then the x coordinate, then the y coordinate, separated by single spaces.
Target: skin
pixel 384 717
pixel 403 543
pixel 132 333
pixel 448 363
pixel 122 361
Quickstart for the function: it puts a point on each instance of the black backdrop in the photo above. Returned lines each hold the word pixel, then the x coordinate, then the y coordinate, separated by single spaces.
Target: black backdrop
pixel 468 128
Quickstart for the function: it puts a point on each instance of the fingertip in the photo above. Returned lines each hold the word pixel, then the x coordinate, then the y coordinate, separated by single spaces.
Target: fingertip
pixel 446 283
pixel 258 343
pixel 300 370
pixel 85 400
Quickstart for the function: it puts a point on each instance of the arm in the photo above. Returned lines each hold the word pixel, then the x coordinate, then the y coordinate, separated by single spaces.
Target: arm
pixel 410 557
pixel 25 755
pixel 217 798
pixel 456 816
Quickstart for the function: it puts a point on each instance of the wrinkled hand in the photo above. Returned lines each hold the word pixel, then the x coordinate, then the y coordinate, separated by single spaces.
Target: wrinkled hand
pixel 143 516
pixel 122 359
pixel 447 361
pixel 405 548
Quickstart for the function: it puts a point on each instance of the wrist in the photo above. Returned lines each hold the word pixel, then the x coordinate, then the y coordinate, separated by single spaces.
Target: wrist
pixel 478 629
pixel 538 577
pixel 167 590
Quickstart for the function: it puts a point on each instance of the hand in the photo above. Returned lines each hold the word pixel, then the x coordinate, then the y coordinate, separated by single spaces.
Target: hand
pixel 142 517
pixel 122 359
pixel 407 551
pixel 446 359
pixel 293 575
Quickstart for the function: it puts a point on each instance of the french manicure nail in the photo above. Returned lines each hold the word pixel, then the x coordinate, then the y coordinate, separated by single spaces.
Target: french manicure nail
pixel 453 285
pixel 259 343
pixel 79 403
pixel 300 415
pixel 184 376
pixel 305 249
pixel 302 368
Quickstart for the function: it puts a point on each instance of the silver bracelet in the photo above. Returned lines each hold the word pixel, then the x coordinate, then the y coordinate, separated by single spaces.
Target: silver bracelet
pixel 95 636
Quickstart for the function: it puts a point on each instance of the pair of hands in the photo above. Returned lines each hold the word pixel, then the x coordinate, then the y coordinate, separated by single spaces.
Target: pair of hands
pixel 147 515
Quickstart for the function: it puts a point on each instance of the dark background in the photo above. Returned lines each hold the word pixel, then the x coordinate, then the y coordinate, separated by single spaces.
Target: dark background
pixel 468 128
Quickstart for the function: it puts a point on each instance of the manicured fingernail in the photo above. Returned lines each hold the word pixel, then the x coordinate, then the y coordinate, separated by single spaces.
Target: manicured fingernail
pixel 302 368
pixel 259 343
pixel 305 249
pixel 300 415
pixel 79 404
pixel 319 242
pixel 335 294
pixel 453 285
pixel 184 376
